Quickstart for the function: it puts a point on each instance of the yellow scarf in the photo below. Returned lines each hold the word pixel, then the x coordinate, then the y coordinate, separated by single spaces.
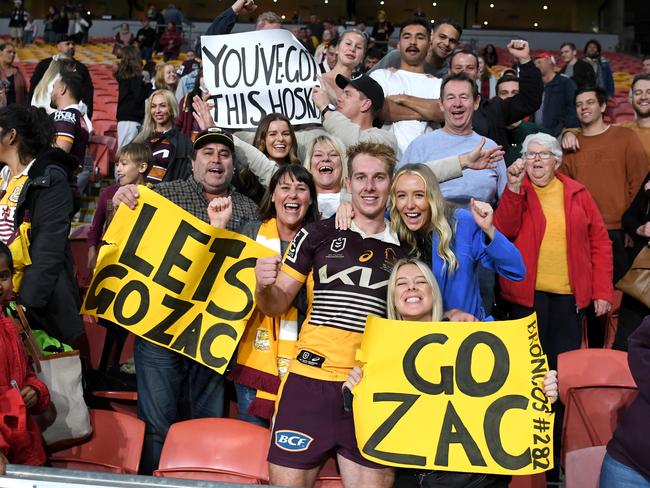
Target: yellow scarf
pixel 19 248
pixel 267 345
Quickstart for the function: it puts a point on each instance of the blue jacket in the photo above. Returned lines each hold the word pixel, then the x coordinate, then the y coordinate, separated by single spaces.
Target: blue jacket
pixel 558 105
pixel 461 289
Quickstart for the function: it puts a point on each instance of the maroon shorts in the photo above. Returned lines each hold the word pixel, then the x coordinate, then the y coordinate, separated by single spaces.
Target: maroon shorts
pixel 310 424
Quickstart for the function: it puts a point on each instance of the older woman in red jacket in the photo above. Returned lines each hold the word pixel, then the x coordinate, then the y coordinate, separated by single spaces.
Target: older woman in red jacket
pixel 555 224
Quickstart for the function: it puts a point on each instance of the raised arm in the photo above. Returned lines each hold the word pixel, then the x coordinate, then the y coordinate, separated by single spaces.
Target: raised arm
pixel 256 160
pixel 275 290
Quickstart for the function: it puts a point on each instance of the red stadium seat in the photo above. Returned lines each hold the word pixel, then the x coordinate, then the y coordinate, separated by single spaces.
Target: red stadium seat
pixel 114 446
pixel 529 481
pixel 583 467
pixel 125 402
pixel 329 476
pixel 102 150
pixel 239 456
pixel 596 386
pixel 95 336
pixel 624 117
pixel 79 247
pixel 103 125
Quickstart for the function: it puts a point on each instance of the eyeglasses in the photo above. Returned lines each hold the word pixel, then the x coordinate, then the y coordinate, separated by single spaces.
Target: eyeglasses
pixel 541 154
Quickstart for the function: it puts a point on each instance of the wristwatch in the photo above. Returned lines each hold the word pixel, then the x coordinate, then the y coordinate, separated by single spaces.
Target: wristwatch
pixel 329 107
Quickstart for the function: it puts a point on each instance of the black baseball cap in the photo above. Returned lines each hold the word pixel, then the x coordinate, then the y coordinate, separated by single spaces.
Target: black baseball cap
pixel 213 134
pixel 366 85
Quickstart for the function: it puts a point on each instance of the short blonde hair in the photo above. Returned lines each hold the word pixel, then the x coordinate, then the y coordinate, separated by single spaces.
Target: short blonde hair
pixel 338 146
pixel 375 149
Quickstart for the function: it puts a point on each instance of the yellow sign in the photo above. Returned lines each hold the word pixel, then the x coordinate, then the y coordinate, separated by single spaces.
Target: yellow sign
pixel 174 280
pixel 454 396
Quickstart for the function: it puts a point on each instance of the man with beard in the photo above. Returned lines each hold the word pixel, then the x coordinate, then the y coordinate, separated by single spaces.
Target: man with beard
pixel 408 81
pixel 164 374
pixel 493 116
pixel 444 39
pixel 65 49
pixel 71 125
pixel 640 98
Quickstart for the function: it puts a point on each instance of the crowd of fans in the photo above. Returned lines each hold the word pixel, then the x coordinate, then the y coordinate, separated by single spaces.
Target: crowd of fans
pixel 507 193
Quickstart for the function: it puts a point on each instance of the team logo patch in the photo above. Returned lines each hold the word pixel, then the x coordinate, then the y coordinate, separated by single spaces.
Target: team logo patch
pixel 293 441
pixel 15 194
pixel 310 359
pixel 294 247
pixel 338 244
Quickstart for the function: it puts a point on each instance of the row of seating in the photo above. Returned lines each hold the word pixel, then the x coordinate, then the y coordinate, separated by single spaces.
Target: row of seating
pixel 595 386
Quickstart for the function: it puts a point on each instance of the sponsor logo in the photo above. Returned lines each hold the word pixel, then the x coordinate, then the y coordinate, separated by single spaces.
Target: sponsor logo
pixel 338 244
pixel 352 276
pixel 63 116
pixel 310 359
pixel 293 441
pixel 294 247
pixel 366 256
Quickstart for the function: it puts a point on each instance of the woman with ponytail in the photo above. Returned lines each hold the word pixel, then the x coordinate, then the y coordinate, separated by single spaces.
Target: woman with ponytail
pixel 42 211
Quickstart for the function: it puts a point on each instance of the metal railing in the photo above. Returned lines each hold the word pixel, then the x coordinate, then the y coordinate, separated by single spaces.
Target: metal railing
pixel 18 476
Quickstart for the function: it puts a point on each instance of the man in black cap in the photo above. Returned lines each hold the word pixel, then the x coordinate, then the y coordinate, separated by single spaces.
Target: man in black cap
pixel 65 48
pixel 162 373
pixel 351 118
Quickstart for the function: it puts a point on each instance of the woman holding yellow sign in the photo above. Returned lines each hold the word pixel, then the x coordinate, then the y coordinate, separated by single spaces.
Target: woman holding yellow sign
pixel 269 342
pixel 413 295
pixel 451 240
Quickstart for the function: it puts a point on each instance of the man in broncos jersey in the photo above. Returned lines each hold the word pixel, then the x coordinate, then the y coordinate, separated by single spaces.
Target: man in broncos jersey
pixel 72 127
pixel 349 270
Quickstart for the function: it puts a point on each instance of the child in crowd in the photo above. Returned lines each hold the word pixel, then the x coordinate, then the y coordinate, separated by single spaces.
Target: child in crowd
pixel 21 392
pixel 133 164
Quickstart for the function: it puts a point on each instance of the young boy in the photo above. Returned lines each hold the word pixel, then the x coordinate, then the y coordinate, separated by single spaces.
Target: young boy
pixel 133 163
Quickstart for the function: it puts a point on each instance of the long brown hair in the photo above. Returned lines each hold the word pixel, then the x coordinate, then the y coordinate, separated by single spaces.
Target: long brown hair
pixel 263 128
pixel 130 65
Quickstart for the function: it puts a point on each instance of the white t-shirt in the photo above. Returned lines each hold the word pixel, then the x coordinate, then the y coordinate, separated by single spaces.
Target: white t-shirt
pixel 328 204
pixel 402 82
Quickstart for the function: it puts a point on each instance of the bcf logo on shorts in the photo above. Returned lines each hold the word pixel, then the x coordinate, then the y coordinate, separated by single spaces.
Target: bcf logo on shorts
pixel 290 440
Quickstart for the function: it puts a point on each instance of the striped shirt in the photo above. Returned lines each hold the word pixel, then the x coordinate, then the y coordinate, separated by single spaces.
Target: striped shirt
pixel 346 273
pixel 10 189
pixel 70 126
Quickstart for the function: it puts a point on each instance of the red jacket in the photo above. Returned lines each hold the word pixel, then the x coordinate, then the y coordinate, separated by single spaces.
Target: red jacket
pixel 20 440
pixel 589 251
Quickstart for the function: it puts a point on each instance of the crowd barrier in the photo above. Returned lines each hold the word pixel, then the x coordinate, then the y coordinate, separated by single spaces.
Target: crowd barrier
pixel 18 476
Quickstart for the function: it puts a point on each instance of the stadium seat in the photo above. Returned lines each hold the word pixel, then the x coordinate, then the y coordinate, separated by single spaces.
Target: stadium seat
pixel 102 150
pixel 114 446
pixel 79 247
pixel 103 125
pixel 596 386
pixel 226 450
pixel 329 476
pixel 125 402
pixel 95 336
pixel 583 467
pixel 529 481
